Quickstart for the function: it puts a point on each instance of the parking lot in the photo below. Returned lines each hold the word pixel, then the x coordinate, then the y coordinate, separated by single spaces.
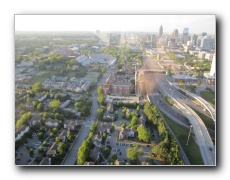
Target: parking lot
pixel 22 153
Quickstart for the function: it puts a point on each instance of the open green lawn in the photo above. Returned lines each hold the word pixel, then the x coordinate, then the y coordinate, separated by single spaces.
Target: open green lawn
pixel 209 123
pixel 92 76
pixel 41 76
pixel 192 150
pixel 209 96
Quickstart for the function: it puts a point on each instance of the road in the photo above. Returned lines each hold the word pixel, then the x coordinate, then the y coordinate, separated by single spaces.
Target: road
pixel 202 136
pixel 211 110
pixel 71 157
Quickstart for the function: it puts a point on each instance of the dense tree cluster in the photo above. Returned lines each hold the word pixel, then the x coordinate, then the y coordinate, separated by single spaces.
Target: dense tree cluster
pixel 24 118
pixel 134 153
pixel 83 152
pixel 144 134
pixel 167 150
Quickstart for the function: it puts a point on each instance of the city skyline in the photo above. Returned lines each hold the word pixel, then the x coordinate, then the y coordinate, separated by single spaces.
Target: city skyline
pixel 140 23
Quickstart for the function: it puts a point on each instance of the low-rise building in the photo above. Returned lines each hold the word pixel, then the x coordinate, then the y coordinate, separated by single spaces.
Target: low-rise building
pixel 124 134
pixel 70 125
pixel 52 150
pixel 21 132
pixel 51 122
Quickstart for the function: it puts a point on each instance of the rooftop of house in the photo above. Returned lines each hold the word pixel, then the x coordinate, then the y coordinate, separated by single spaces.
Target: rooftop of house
pixel 45 161
pixel 119 162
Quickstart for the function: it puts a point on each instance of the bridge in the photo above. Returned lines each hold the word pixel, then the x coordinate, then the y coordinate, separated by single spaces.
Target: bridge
pixel 211 110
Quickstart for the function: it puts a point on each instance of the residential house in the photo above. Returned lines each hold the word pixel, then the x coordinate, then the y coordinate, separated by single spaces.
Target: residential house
pixel 63 135
pixel 124 134
pixel 97 139
pixel 45 161
pixel 89 163
pixel 35 120
pixel 52 150
pixel 142 121
pixel 51 122
pixel 117 162
pixel 42 98
pixel 21 131
pixel 70 125
pixel 65 104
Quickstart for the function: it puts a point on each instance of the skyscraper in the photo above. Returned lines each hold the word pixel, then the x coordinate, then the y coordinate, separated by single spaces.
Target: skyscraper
pixel 160 31
pixel 194 39
pixel 153 41
pixel 185 31
pixel 175 34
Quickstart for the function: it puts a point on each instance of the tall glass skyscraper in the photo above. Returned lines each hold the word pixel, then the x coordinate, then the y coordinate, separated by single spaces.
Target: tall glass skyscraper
pixel 160 31
pixel 185 31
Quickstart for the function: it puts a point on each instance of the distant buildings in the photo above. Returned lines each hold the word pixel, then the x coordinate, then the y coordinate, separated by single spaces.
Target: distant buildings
pixel 160 32
pixel 153 41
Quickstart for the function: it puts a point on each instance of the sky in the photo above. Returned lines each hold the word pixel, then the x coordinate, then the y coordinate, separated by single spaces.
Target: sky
pixel 145 23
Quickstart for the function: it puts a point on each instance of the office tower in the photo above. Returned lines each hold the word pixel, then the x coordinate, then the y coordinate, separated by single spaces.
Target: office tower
pixel 160 31
pixel 175 34
pixel 206 43
pixel 153 41
pixel 185 31
pixel 194 39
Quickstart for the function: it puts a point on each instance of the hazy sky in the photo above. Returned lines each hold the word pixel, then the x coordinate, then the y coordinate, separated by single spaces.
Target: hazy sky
pixel 195 23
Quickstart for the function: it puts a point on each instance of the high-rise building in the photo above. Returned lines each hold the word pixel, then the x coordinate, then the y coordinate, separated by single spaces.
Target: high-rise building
pixel 206 43
pixel 153 41
pixel 185 31
pixel 160 31
pixel 194 39
pixel 175 34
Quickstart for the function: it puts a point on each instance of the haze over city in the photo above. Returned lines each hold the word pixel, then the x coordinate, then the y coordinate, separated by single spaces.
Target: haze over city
pixel 144 23
pixel 115 90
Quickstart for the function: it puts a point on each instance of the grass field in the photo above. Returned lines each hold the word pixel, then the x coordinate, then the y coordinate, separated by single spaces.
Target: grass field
pixel 192 150
pixel 41 76
pixel 209 96
pixel 92 76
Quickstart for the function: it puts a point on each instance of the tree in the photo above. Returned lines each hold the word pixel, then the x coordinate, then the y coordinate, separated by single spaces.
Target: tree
pixel 134 122
pixel 45 143
pixel 40 107
pixel 40 135
pixel 93 127
pixel 144 134
pixel 41 149
pixel 54 104
pixel 28 99
pixel 138 108
pixel 31 152
pixel 100 90
pixel 134 153
pixel 112 127
pixel 101 99
pixel 35 103
pixel 57 139
pixel 37 87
